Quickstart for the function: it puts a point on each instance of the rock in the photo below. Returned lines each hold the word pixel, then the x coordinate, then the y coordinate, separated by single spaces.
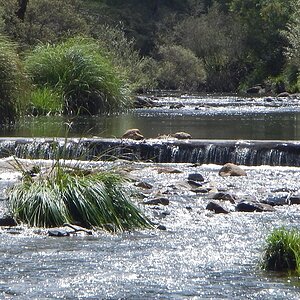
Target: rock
pixel 294 199
pixel 230 169
pixel 161 227
pixel 76 228
pixel 194 184
pixel 58 232
pixel 133 134
pixel 276 200
pixel 168 170
pixel 141 102
pixel 176 106
pixel 144 185
pixel 157 201
pixel 284 94
pixel 217 208
pixel 201 190
pixel 257 89
pixel 8 221
pixel 224 196
pixel 181 135
pixel 245 206
pixel 195 177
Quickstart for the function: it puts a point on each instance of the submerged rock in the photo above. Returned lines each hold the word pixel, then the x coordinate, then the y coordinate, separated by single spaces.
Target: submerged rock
pixel 231 169
pixel 133 134
pixel 217 208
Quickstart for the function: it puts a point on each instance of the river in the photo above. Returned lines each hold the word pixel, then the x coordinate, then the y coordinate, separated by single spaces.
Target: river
pixel 201 255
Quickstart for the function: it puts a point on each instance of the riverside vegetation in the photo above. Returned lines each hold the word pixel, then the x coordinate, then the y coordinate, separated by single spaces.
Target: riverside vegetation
pixel 88 57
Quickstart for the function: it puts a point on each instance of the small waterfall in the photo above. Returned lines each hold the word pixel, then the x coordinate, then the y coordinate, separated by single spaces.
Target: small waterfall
pixel 274 153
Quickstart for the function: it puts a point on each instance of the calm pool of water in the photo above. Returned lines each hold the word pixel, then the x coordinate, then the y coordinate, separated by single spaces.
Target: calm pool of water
pixel 203 118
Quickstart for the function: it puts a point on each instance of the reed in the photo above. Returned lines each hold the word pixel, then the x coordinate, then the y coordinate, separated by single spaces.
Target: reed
pixel 282 251
pixel 82 72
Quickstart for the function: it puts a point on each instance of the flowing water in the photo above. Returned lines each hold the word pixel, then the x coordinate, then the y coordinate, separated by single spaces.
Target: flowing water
pixel 201 255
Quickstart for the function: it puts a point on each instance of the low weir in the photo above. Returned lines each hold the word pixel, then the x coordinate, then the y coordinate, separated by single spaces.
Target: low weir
pixel 251 153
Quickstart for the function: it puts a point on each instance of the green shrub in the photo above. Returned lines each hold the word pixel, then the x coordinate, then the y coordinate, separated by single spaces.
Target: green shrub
pixel 12 81
pixel 75 196
pixel 81 71
pixel 45 101
pixel 180 69
pixel 282 251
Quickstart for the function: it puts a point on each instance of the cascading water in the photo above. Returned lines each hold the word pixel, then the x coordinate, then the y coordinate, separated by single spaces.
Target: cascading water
pixel 251 153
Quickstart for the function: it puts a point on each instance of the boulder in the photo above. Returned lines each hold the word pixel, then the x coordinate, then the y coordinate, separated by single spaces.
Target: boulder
pixel 195 177
pixel 133 134
pixel 181 135
pixel 217 208
pixel 246 206
pixel 230 169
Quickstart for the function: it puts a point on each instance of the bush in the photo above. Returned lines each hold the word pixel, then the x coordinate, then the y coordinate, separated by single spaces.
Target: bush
pixel 45 21
pixel 180 69
pixel 282 251
pixel 80 70
pixel 12 81
pixel 217 39
pixel 77 197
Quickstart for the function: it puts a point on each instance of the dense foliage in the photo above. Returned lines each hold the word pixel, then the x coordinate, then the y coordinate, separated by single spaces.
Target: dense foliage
pixel 205 45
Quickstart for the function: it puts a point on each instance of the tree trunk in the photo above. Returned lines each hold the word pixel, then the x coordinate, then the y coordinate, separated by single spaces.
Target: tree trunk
pixel 20 13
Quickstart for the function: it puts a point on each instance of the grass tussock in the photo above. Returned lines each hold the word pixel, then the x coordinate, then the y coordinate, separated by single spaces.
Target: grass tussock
pixel 86 199
pixel 82 73
pixel 282 251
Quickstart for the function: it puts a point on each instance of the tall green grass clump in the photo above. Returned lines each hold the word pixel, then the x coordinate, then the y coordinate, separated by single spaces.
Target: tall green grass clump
pixel 12 81
pixel 81 72
pixel 77 197
pixel 45 101
pixel 282 251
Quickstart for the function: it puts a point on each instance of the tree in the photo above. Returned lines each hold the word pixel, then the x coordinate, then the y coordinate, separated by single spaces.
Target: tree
pixel 20 13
